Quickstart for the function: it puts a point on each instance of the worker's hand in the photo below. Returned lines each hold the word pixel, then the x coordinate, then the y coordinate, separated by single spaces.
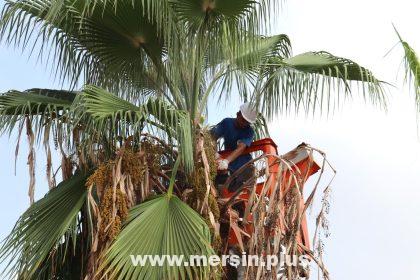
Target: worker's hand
pixel 216 156
pixel 222 164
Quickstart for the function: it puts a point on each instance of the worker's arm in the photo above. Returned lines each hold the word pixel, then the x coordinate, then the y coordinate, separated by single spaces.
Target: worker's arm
pixel 237 152
pixel 217 131
pixel 223 164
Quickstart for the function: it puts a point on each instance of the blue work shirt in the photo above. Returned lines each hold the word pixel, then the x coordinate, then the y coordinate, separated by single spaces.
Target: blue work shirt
pixel 232 135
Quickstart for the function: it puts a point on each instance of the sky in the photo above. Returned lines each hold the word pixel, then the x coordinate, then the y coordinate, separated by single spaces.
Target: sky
pixel 375 209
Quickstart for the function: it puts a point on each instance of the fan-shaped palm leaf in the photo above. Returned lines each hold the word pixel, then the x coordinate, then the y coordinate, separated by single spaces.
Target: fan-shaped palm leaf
pixel 256 53
pixel 35 101
pixel 162 226
pixel 327 64
pixel 196 12
pixel 44 227
pixel 110 111
pixel 157 11
pixel 306 80
pixel 239 63
pixel 38 104
pixel 111 41
pixel 252 53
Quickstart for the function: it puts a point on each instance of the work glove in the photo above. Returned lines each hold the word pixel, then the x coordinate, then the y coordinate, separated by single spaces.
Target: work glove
pixel 222 164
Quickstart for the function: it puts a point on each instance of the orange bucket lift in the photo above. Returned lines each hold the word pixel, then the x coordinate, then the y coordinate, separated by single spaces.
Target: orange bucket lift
pixel 300 161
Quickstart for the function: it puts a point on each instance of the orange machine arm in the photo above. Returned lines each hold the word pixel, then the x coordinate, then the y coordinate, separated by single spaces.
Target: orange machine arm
pixel 301 160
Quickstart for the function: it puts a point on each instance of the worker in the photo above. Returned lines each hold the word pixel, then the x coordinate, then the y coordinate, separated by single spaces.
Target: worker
pixel 237 135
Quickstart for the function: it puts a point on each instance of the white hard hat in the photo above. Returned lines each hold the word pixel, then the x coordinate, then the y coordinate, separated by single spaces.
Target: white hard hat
pixel 248 112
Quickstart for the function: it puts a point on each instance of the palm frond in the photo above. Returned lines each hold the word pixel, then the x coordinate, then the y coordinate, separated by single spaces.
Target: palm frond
pixel 156 11
pixel 239 63
pixel 166 227
pixel 44 228
pixel 307 80
pixel 252 52
pixel 260 127
pixel 40 105
pixel 327 64
pixel 195 13
pixel 115 117
pixel 412 67
pixel 112 46
pixel 35 101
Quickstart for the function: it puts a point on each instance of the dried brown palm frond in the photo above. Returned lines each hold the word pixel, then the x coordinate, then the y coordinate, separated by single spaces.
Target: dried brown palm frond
pixel 119 184
pixel 199 190
pixel 31 160
pixel 271 222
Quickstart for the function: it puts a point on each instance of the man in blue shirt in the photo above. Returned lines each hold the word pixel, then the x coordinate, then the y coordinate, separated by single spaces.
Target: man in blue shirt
pixel 237 134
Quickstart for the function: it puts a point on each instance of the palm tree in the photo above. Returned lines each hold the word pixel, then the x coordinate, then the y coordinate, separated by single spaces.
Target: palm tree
pixel 134 147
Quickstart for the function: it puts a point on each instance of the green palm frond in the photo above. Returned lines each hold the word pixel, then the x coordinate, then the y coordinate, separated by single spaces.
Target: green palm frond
pixel 166 227
pixel 45 227
pixel 111 114
pixel 412 67
pixel 35 101
pixel 307 80
pixel 39 105
pixel 239 63
pixel 195 13
pixel 121 44
pixel 327 64
pixel 132 48
pixel 162 11
pixel 46 23
pixel 252 53
pixel 260 127
pixel 111 41
pixel 157 11
pixel 234 8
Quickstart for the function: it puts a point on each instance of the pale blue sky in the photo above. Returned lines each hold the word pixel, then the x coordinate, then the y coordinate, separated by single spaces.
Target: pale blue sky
pixel 375 201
